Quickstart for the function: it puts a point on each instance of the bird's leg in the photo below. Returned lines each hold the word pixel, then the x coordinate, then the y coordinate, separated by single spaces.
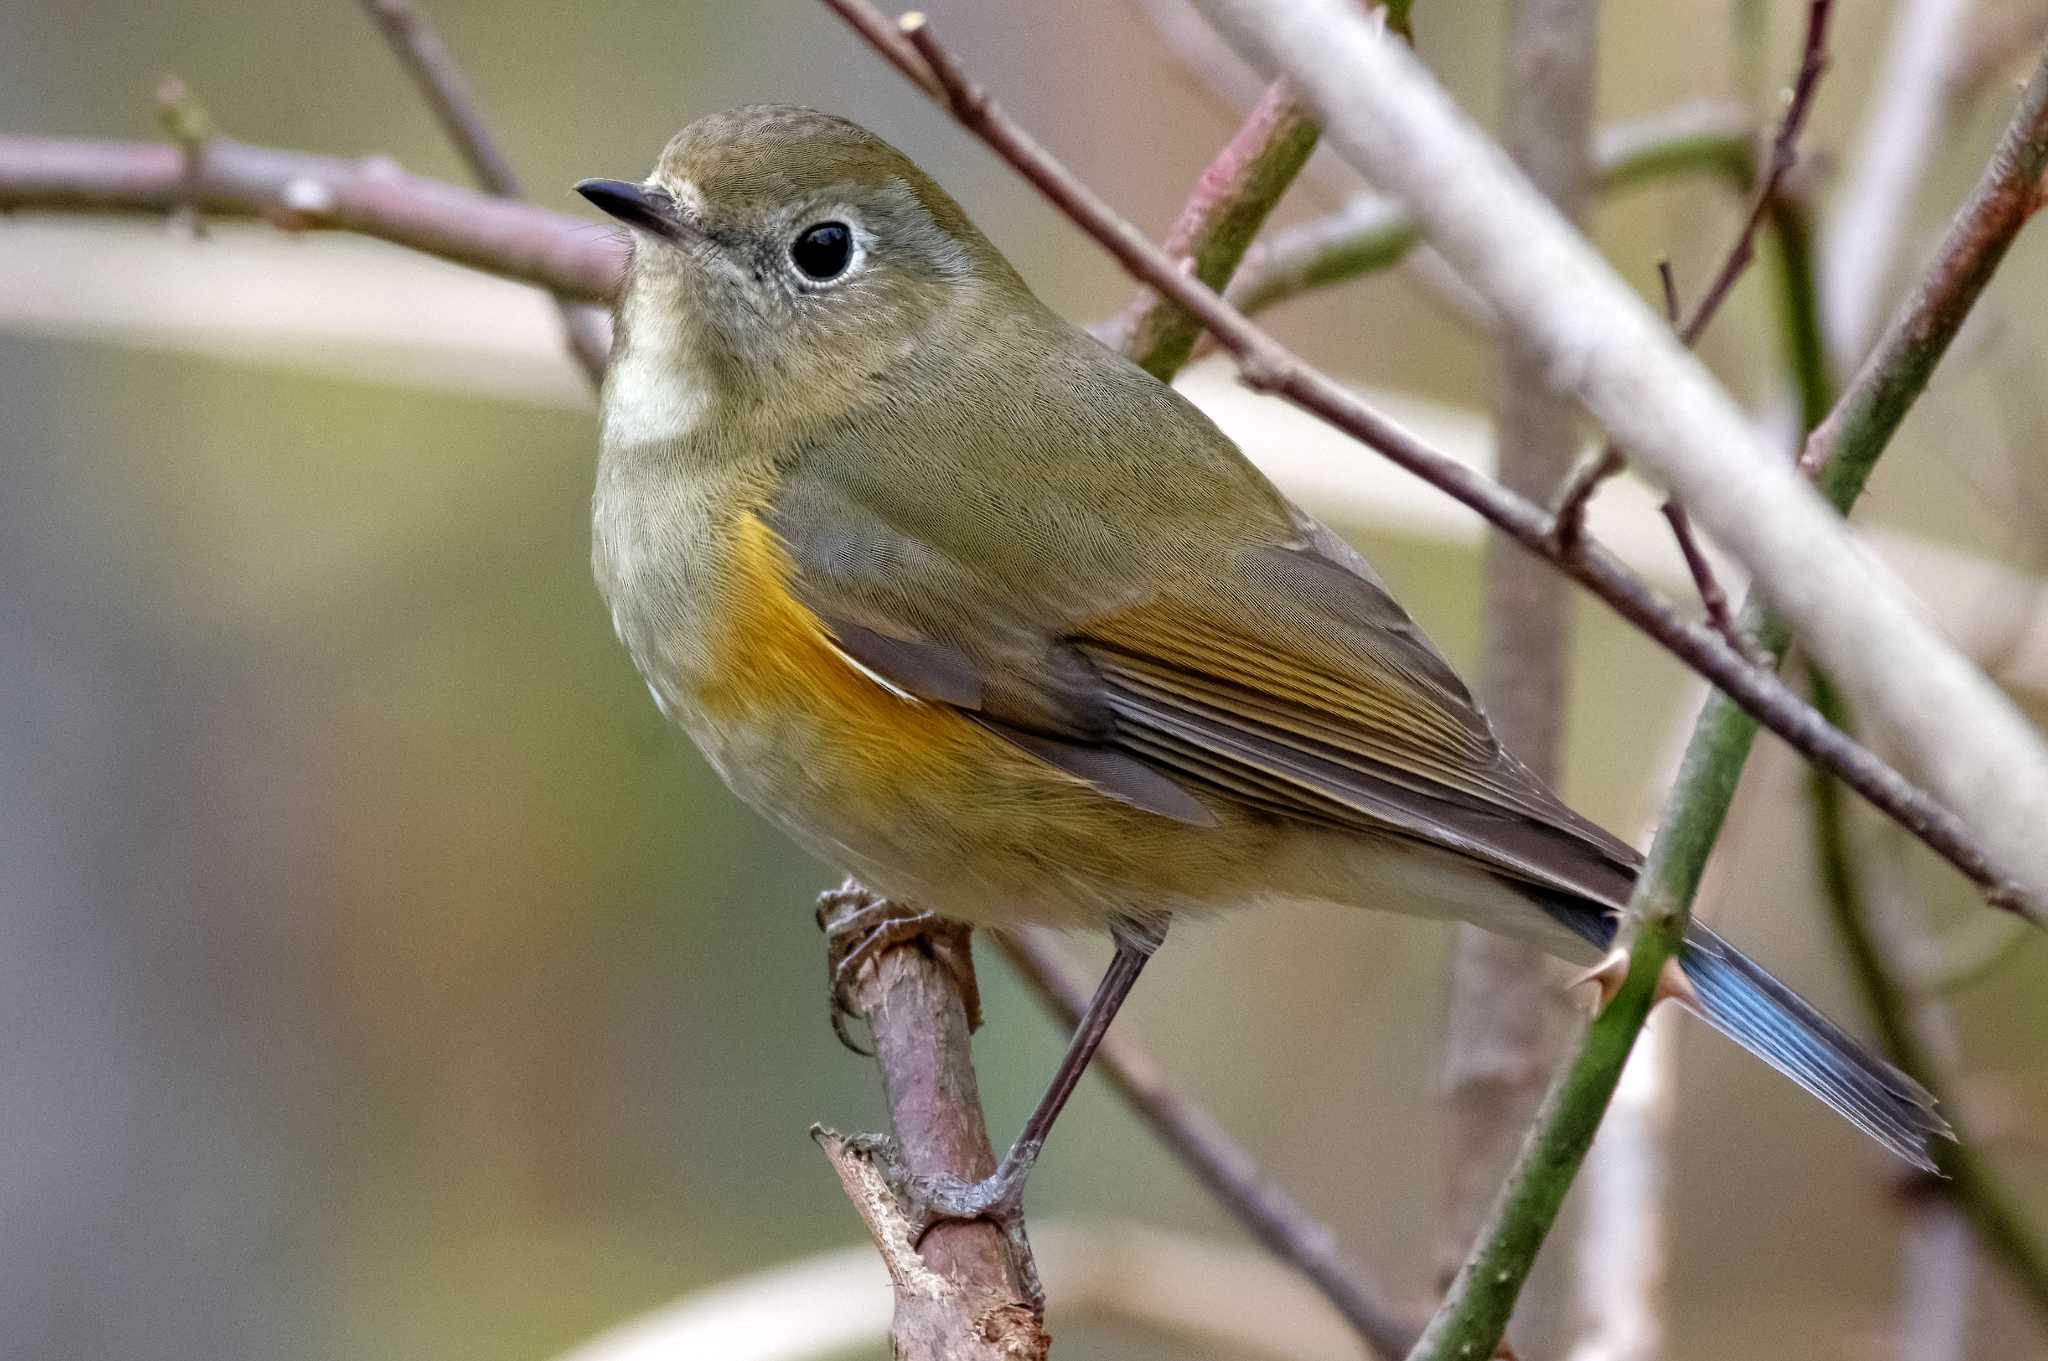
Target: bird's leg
pixel 999 1198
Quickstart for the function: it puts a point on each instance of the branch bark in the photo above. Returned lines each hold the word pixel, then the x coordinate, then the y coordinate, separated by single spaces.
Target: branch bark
pixel 957 1295
pixel 1501 1041
pixel 1384 113
pixel 297 191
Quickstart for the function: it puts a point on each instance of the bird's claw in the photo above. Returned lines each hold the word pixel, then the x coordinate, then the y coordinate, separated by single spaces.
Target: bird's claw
pixel 929 1199
pixel 859 928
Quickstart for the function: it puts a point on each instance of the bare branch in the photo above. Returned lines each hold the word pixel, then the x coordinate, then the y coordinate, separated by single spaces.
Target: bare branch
pixel 1575 494
pixel 1271 367
pixel 297 191
pixel 959 1297
pixel 433 69
pixel 1713 600
pixel 1784 152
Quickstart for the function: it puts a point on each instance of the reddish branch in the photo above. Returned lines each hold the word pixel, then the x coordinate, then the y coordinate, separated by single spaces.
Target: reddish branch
pixel 298 191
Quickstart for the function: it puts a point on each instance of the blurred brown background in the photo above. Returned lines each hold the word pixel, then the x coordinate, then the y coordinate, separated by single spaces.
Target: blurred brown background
pixel 380 978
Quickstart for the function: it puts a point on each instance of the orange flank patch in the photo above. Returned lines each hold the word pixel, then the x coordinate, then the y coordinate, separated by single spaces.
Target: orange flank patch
pixel 777 662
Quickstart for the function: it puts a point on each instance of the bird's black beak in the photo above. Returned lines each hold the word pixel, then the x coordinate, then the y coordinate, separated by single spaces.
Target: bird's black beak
pixel 637 206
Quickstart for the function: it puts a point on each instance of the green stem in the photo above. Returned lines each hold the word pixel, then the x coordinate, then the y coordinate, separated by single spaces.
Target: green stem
pixel 1229 204
pixel 1968 1181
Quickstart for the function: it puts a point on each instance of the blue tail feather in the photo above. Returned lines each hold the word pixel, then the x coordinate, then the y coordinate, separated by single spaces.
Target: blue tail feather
pixel 1780 1027
pixel 1739 999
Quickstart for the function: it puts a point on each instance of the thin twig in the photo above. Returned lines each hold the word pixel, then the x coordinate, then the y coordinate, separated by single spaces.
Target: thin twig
pixel 433 69
pixel 1279 1221
pixel 1784 153
pixel 1813 61
pixel 1713 600
pixel 1270 367
pixel 888 39
pixel 1575 495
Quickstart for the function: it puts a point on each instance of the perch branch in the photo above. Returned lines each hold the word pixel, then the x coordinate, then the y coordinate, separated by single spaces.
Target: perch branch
pixel 958 1294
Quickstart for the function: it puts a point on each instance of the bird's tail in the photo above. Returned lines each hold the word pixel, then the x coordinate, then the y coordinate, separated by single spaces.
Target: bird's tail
pixel 1737 998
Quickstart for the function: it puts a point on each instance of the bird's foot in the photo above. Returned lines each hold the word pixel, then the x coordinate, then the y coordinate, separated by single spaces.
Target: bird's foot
pixel 929 1199
pixel 860 927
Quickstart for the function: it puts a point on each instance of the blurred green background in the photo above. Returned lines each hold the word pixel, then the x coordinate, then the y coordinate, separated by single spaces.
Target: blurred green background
pixel 379 977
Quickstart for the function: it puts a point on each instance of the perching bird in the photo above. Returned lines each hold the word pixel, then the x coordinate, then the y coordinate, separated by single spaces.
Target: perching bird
pixel 981 612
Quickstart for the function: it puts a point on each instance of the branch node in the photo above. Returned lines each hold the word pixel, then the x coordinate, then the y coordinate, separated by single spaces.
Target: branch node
pixel 191 128
pixel 1568 516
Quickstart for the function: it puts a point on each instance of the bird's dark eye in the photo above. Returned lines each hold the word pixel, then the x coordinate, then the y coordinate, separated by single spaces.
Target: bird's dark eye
pixel 823 250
